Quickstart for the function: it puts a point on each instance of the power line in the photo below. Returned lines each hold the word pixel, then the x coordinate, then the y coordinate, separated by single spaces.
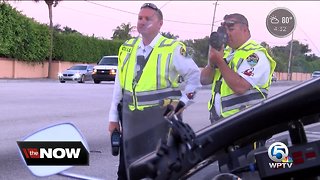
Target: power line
pixel 168 20
pixel 304 33
pixel 92 14
pixel 111 7
pixel 309 39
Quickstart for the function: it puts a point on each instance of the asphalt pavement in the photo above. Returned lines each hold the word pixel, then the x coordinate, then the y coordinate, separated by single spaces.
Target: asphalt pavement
pixel 31 104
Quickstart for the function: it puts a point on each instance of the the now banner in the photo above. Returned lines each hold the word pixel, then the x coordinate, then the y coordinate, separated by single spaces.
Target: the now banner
pixel 53 153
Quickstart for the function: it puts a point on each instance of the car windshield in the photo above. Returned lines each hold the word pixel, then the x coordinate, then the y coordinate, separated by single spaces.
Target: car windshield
pixel 109 61
pixel 78 68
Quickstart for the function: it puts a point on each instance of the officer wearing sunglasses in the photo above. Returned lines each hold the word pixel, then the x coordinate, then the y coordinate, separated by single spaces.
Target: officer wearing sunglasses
pixel 240 73
pixel 149 69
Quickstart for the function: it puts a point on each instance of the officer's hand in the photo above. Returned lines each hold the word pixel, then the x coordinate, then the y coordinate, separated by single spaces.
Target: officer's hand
pixel 113 126
pixel 171 107
pixel 215 56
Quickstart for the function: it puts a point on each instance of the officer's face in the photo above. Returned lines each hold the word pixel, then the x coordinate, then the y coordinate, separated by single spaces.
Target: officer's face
pixel 237 33
pixel 148 22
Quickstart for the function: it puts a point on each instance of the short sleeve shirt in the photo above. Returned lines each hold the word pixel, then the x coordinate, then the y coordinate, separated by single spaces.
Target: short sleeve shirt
pixel 255 69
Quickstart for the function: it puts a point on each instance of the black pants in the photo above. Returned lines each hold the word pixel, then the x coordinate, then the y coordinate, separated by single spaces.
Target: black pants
pixel 122 174
pixel 141 133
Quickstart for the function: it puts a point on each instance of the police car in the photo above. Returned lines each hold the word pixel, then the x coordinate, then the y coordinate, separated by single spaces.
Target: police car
pixel 105 70
pixel 234 143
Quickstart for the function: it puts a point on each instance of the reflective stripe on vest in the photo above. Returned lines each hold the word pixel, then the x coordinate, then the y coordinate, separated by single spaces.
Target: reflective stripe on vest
pixel 239 102
pixel 151 97
pixel 230 102
pixel 163 44
pixel 129 43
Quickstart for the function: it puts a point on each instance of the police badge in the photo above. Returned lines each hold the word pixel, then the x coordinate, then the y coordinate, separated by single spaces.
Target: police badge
pixel 186 53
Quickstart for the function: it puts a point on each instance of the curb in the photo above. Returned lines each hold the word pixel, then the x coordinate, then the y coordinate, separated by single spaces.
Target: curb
pixel 4 80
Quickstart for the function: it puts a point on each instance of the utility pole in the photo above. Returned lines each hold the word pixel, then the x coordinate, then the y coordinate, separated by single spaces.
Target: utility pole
pixel 212 24
pixel 214 15
pixel 290 57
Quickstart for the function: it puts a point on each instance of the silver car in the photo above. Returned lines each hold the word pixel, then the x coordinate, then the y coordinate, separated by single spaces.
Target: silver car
pixel 78 72
pixel 315 74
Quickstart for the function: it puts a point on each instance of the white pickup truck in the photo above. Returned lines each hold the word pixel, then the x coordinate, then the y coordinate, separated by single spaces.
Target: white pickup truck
pixel 105 70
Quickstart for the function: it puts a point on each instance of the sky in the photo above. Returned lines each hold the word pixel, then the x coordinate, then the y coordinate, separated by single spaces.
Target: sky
pixel 187 19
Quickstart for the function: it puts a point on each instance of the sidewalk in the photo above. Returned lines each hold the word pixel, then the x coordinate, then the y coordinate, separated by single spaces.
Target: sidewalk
pixel 282 83
pixel 8 80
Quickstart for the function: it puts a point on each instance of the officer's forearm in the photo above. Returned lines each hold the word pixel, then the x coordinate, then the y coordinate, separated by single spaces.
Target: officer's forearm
pixel 206 76
pixel 233 79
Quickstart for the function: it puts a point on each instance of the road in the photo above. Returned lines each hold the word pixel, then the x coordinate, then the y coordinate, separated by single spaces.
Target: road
pixel 29 105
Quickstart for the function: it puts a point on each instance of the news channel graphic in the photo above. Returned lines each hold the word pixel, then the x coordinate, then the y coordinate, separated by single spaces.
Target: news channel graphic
pixel 54 153
pixel 278 152
pixel 281 22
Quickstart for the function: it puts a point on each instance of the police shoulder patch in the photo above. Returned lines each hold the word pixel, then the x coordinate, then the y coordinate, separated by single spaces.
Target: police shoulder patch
pixel 253 59
pixel 183 52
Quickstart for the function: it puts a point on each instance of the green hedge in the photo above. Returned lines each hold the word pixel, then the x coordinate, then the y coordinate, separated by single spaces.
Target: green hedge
pixel 78 48
pixel 24 39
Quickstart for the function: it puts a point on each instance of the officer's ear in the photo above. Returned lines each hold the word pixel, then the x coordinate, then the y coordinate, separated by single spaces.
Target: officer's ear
pixel 244 27
pixel 161 22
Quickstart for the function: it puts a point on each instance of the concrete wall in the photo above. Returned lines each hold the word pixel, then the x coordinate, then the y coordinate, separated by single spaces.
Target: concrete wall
pixel 14 69
pixel 294 76
pixel 11 68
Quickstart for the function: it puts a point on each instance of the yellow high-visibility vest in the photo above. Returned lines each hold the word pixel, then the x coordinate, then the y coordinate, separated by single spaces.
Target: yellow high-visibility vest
pixel 155 83
pixel 232 103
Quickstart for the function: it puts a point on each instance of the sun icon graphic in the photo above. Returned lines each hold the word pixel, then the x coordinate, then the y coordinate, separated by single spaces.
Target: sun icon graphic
pixel 274 19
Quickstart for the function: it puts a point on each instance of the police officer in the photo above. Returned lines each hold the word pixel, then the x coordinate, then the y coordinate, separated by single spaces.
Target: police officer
pixel 241 73
pixel 149 68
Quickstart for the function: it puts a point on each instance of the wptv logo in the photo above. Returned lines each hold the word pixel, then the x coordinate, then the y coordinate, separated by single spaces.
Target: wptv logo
pixel 52 153
pixel 278 152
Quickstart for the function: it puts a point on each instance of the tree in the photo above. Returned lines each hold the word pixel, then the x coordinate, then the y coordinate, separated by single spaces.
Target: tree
pixel 169 35
pixel 268 48
pixel 67 30
pixel 312 57
pixel 122 32
pixel 299 59
pixel 57 28
pixel 200 50
pixel 50 3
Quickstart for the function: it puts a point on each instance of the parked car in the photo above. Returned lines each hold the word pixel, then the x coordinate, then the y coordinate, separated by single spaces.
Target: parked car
pixel 78 72
pixel 315 74
pixel 105 70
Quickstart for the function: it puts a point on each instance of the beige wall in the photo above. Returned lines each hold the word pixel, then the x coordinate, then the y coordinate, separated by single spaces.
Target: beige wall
pixel 11 68
pixel 294 76
pixel 6 68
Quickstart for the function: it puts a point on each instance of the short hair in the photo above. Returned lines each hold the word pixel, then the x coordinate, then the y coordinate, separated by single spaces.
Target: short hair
pixel 154 7
pixel 239 17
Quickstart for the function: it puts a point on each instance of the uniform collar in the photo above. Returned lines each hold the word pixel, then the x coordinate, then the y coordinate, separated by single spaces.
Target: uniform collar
pixel 244 44
pixel 153 42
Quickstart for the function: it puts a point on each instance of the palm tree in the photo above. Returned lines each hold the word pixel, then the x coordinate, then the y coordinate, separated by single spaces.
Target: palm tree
pixel 123 31
pixel 169 35
pixel 50 3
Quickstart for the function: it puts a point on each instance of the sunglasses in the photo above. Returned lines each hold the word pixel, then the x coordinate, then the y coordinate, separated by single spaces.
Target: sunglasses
pixel 231 23
pixel 150 5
